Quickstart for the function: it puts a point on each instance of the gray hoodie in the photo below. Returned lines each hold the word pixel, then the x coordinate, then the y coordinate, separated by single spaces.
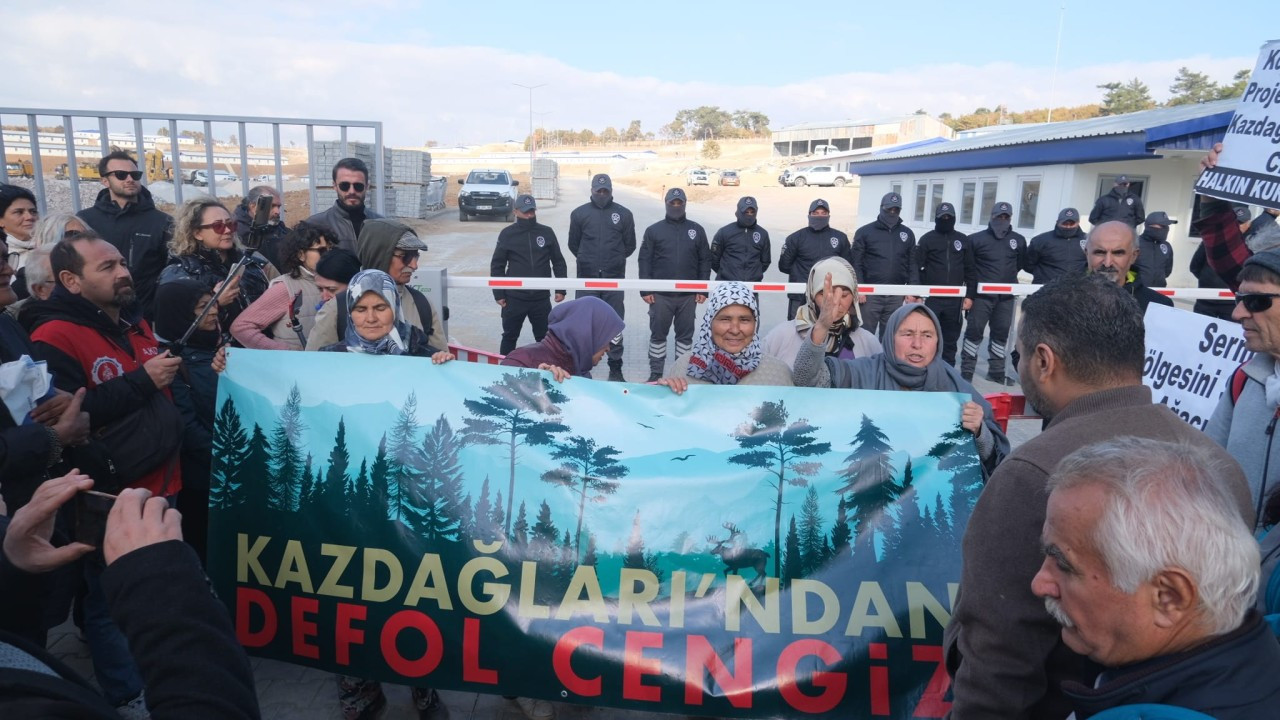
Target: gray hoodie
pixel 1246 428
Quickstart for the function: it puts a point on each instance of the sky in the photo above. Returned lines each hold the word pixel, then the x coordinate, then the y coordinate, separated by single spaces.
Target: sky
pixel 447 71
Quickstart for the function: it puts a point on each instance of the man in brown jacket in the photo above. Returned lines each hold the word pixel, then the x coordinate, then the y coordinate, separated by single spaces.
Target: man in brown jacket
pixel 1082 344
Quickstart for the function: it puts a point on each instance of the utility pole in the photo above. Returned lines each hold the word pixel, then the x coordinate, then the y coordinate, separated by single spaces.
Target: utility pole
pixel 1053 84
pixel 532 143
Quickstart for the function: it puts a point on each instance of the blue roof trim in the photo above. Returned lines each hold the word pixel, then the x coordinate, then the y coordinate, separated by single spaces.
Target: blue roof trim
pixel 1217 121
pixel 1195 141
pixel 1130 146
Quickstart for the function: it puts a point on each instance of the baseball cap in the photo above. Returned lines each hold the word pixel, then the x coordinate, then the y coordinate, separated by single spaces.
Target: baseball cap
pixel 1122 179
pixel 1069 214
pixel 747 202
pixel 945 209
pixel 526 203
pixel 891 200
pixel 676 194
pixel 819 203
pixel 1159 218
pixel 1242 214
pixel 1001 208
pixel 601 181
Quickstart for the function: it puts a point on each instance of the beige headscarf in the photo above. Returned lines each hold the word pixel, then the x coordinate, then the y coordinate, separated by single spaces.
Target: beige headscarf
pixel 842 275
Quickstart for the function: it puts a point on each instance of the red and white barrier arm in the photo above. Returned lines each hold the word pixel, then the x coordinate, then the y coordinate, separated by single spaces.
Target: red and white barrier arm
pixel 698 286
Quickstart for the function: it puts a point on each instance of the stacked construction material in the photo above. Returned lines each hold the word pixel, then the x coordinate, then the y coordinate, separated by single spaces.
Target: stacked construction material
pixel 546 179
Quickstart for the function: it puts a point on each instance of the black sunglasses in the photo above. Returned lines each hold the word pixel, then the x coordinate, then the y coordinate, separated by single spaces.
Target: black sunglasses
pixel 1256 302
pixel 345 186
pixel 122 174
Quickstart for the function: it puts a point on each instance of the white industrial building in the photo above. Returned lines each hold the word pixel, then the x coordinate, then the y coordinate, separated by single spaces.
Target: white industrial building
pixel 1043 168
pixel 842 136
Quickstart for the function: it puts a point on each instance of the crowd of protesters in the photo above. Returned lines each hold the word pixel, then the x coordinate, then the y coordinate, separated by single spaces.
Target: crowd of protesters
pixel 1110 560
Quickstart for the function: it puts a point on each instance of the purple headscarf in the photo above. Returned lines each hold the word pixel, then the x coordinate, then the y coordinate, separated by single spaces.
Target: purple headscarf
pixel 583 326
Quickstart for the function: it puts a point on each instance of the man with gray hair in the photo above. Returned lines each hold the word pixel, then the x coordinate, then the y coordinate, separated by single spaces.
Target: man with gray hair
pixel 1151 574
pixel 276 229
pixel 1081 345
pixel 1112 251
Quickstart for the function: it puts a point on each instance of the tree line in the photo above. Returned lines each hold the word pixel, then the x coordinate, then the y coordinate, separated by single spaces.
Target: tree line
pixel 707 122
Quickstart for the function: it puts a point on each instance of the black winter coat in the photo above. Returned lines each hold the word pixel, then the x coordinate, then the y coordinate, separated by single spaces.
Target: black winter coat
pixel 602 239
pixel 741 253
pixel 526 251
pixel 1155 261
pixel 210 269
pixel 1050 256
pixel 1126 208
pixel 24 449
pixel 805 247
pixel 674 250
pixel 882 254
pixel 945 259
pixel 141 233
pixel 998 260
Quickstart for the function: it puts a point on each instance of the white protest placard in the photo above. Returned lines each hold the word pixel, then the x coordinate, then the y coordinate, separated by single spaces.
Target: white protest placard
pixel 1190 359
pixel 1248 169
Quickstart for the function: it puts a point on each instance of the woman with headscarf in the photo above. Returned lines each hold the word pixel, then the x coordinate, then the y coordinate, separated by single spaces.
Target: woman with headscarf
pixel 376 324
pixel 911 363
pixel 179 303
pixel 726 350
pixel 578 335
pixel 846 338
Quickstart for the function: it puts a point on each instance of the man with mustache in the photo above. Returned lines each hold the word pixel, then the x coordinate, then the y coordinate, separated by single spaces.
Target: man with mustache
pixel 1082 345
pixel 344 219
pixel 1111 251
pixel 92 336
pixel 1164 604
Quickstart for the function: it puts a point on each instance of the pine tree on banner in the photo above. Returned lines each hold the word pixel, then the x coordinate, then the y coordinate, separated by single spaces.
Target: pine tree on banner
pixel 545 535
pixel 841 533
pixel 403 472
pixel 520 530
pixel 253 477
pixel 332 491
pixel 379 476
pixel 793 566
pixel 868 477
pixel 437 494
pixel 636 557
pixel 517 410
pixel 482 515
pixel 356 491
pixel 909 520
pixel 286 480
pixel 306 488
pixel 590 558
pixel 957 454
pixel 496 518
pixel 587 470
pixel 230 445
pixel 811 536
pixel 776 446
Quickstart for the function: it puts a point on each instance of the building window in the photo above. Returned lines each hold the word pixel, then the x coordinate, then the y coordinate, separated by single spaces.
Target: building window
pixel 936 198
pixel 896 187
pixel 1028 200
pixel 989 188
pixel 1137 185
pixel 968 190
pixel 922 192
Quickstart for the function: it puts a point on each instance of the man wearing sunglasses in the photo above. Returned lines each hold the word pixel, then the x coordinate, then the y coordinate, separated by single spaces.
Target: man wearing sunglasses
pixel 344 220
pixel 125 215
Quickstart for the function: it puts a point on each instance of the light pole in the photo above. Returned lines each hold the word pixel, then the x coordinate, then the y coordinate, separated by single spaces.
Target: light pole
pixel 542 124
pixel 532 144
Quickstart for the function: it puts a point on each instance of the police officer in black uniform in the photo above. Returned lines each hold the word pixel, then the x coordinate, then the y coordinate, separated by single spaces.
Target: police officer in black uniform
pixel 1058 252
pixel 1119 204
pixel 602 235
pixel 674 248
pixel 740 250
pixel 807 246
pixel 944 256
pixel 526 248
pixel 1155 254
pixel 881 253
pixel 999 253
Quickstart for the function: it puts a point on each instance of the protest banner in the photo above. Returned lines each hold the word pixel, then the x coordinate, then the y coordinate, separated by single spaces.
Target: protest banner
pixel 1190 359
pixel 1248 169
pixel 733 551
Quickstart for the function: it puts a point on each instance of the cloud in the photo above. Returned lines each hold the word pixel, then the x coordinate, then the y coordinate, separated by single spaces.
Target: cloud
pixel 299 62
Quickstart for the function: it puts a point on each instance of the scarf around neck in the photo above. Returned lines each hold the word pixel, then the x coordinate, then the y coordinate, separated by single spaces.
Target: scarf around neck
pixel 707 361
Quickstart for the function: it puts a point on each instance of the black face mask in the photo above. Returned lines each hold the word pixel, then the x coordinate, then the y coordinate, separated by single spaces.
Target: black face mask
pixel 944 224
pixel 527 222
pixel 888 218
pixel 1066 232
pixel 818 223
pixel 745 220
pixel 1157 234
pixel 1001 227
pixel 601 200
pixel 675 213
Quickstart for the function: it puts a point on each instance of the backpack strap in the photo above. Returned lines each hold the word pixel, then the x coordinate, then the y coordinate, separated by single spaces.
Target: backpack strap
pixel 1238 379
pixel 423 305
pixel 341 302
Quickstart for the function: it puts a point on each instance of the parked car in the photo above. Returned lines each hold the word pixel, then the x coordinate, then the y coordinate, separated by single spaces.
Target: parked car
pixel 200 178
pixel 487 192
pixel 730 177
pixel 263 179
pixel 697 177
pixel 817 175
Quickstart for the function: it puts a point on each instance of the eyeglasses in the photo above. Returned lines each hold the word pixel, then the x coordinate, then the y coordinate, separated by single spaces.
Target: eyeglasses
pixel 1256 302
pixel 122 174
pixel 222 227
pixel 319 250
pixel 345 186
pixel 406 256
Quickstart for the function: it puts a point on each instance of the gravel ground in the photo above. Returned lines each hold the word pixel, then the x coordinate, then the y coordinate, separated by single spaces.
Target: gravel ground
pixel 58 192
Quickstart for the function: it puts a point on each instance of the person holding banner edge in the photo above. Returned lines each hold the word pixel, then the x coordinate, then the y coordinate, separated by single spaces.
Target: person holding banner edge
pixel 726 350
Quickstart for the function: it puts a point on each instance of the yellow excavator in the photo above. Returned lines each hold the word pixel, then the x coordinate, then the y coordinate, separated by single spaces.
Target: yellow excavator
pixel 19 168
pixel 157 168
pixel 84 170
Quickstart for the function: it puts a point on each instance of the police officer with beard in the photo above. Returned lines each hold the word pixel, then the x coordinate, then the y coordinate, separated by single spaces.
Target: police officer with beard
pixel 999 253
pixel 1058 252
pixel 526 248
pixel 740 250
pixel 1155 254
pixel 602 235
pixel 1119 204
pixel 882 256
pixel 944 256
pixel 807 246
pixel 674 248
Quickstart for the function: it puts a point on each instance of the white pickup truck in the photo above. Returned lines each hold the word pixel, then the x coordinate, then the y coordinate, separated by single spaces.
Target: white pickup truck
pixel 817 175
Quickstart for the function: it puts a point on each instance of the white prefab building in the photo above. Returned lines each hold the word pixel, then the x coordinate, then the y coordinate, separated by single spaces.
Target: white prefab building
pixel 1046 167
